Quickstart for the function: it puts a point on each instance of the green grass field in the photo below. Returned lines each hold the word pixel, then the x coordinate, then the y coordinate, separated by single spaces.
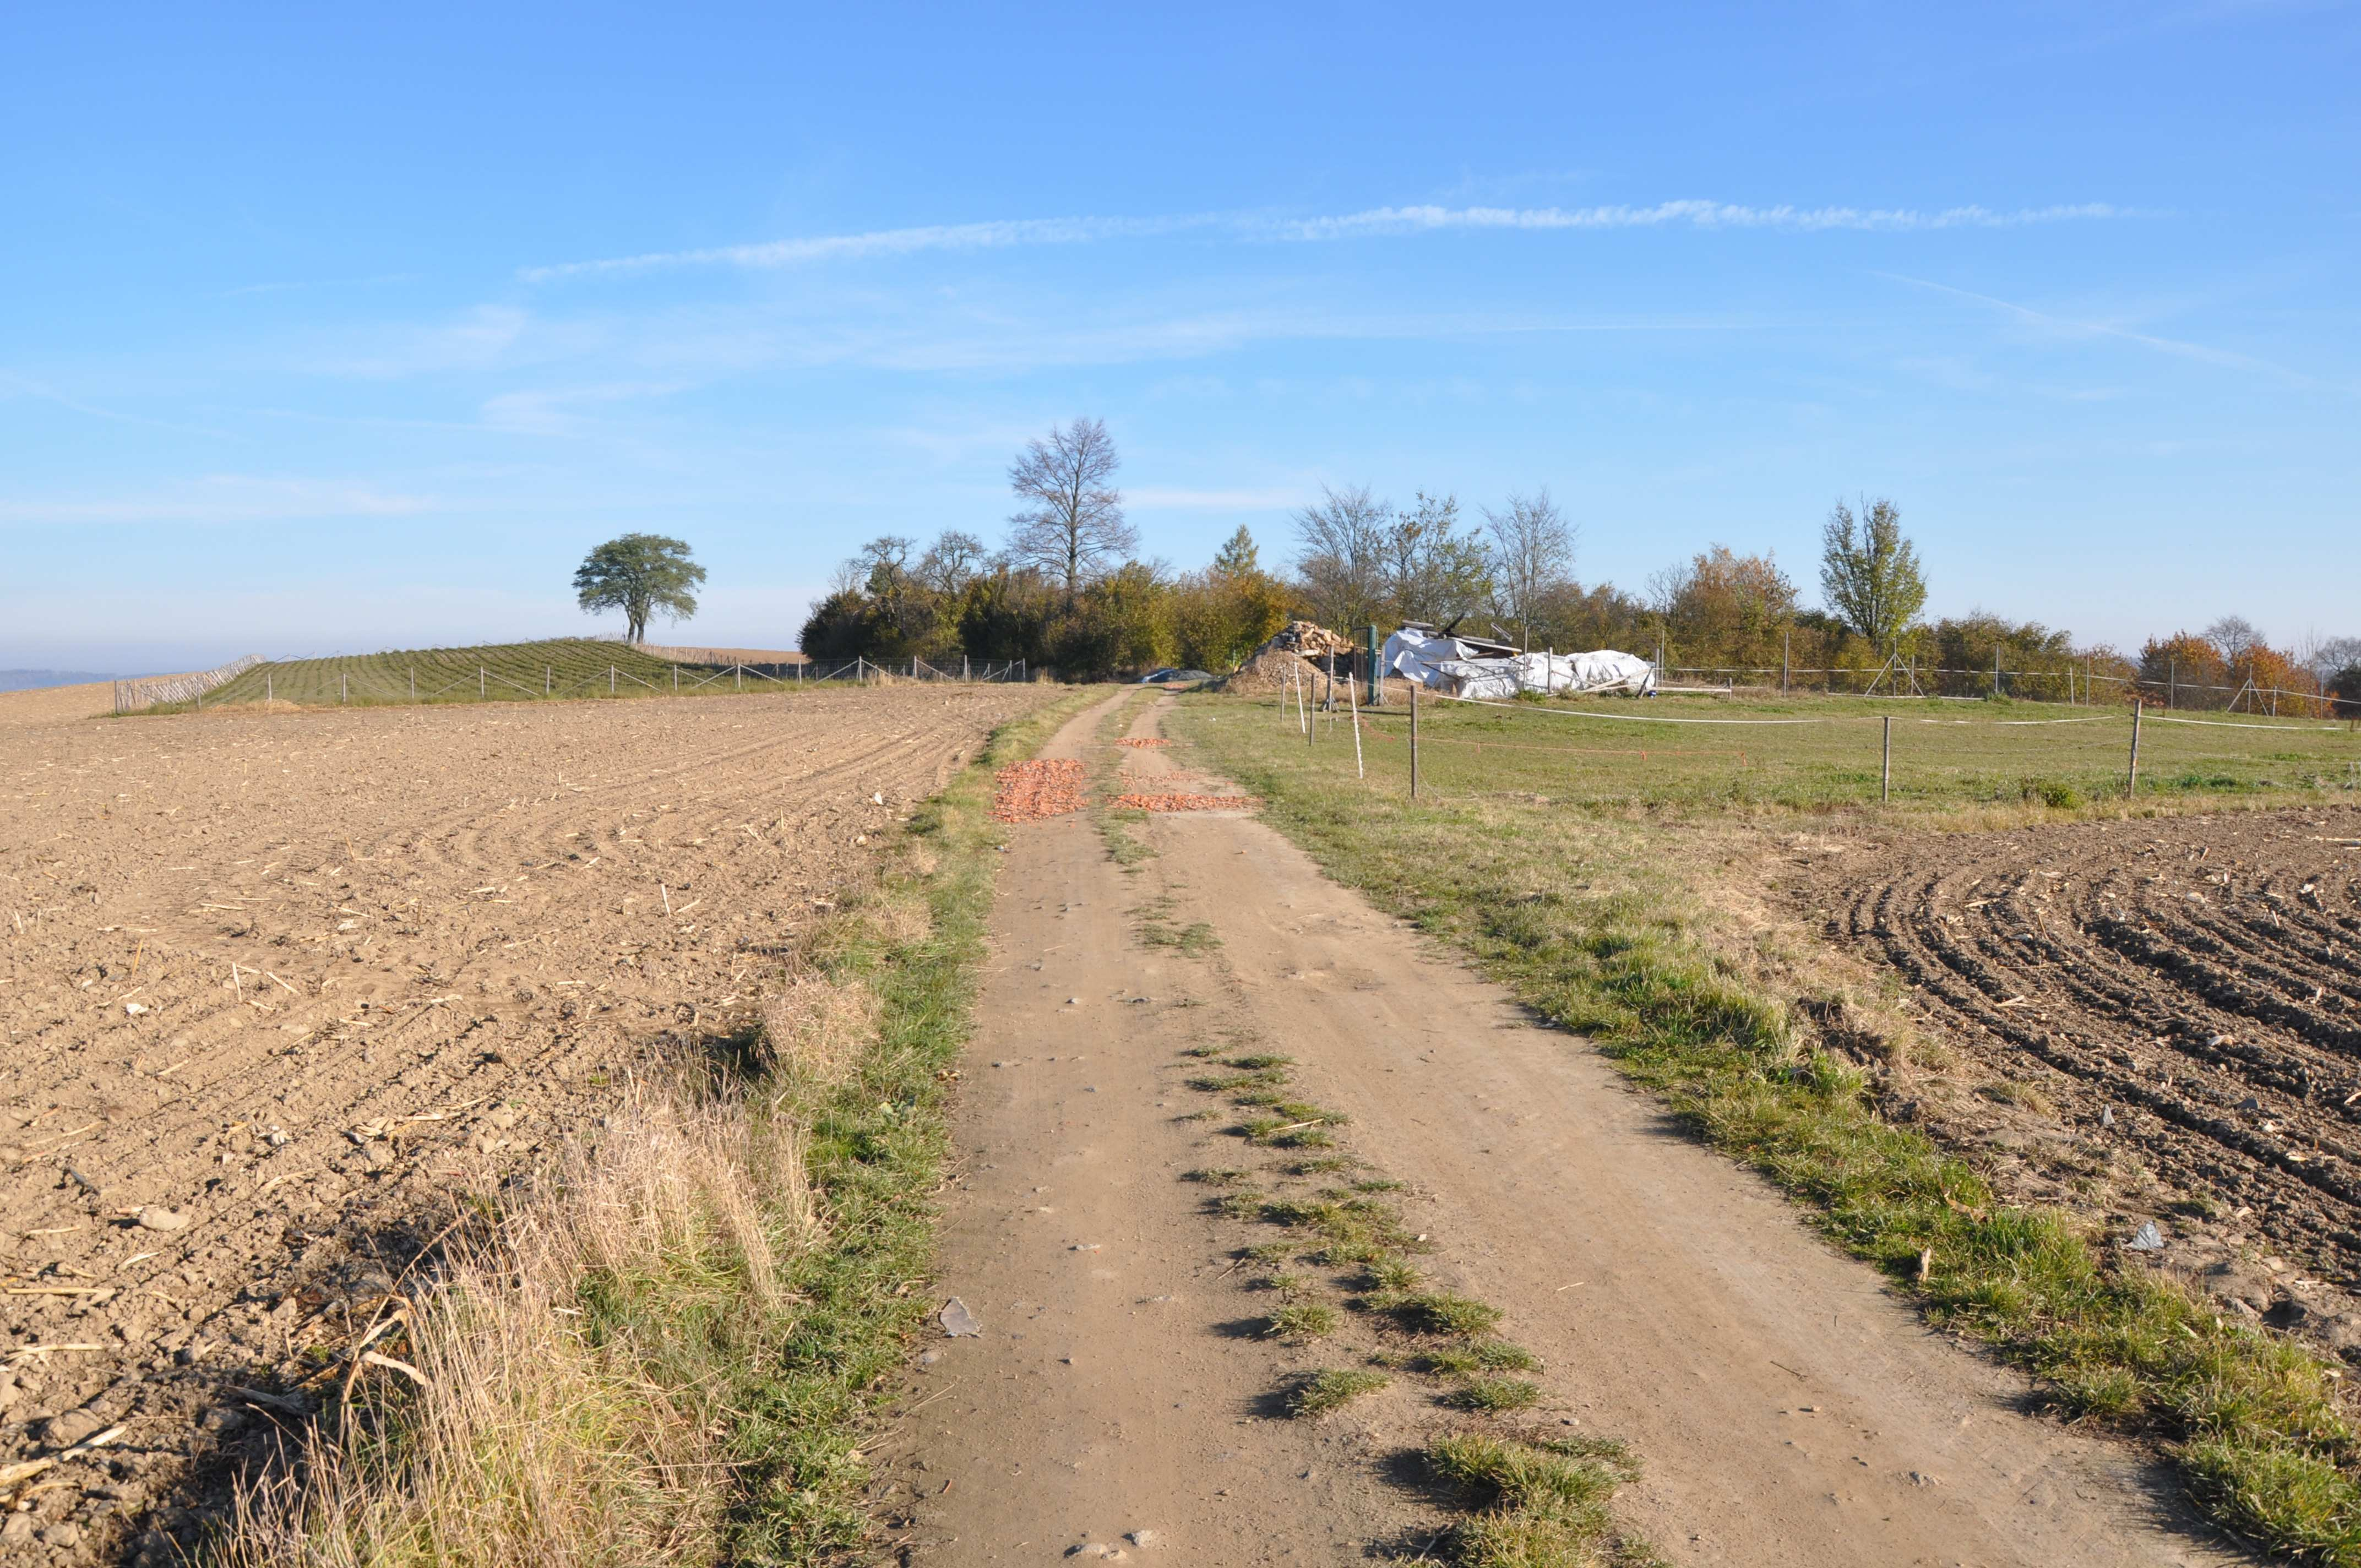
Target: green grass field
pixel 1814 753
pixel 567 668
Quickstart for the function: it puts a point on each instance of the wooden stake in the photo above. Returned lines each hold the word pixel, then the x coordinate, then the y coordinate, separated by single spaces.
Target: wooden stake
pixel 2131 779
pixel 1352 702
pixel 1414 739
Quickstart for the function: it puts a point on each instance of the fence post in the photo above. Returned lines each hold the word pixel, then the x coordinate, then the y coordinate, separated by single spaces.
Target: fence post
pixel 963 675
pixel 548 679
pixel 2131 779
pixel 2172 685
pixel 268 694
pixel 1886 763
pixel 1353 707
pixel 1786 645
pixel 344 686
pixel 413 683
pixel 483 689
pixel 738 676
pixel 1413 738
pixel 1995 669
pixel 611 680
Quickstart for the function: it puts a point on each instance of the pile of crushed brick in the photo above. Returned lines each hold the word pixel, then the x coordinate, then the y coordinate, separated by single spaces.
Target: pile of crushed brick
pixel 1030 790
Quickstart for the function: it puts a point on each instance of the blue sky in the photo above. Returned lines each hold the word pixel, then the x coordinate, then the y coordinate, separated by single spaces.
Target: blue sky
pixel 322 329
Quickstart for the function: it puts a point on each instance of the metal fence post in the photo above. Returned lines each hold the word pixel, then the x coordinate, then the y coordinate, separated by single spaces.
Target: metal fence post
pixel 1886 763
pixel 413 683
pixel 2131 779
pixel 268 695
pixel 548 679
pixel 483 687
pixel 611 680
pixel 344 686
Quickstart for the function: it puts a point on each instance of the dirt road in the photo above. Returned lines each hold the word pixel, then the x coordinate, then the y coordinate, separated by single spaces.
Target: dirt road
pixel 268 982
pixel 1784 1409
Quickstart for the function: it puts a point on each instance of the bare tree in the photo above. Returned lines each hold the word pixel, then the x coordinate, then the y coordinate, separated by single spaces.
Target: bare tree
pixel 951 561
pixel 1072 525
pixel 1533 556
pixel 1340 551
pixel 2236 636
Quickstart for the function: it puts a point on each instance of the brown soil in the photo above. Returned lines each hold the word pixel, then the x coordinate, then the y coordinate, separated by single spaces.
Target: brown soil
pixel 2185 992
pixel 273 986
pixel 46 705
pixel 1785 1407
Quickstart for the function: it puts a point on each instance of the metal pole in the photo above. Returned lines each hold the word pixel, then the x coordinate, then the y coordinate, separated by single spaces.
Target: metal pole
pixel 611 680
pixel 1413 739
pixel 1885 764
pixel 344 686
pixel 2172 685
pixel 548 679
pixel 482 688
pixel 1995 669
pixel 738 676
pixel 268 694
pixel 2131 779
pixel 413 683
pixel 1786 645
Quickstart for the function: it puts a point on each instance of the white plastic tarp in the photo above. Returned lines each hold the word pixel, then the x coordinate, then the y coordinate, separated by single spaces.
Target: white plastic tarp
pixel 1448 666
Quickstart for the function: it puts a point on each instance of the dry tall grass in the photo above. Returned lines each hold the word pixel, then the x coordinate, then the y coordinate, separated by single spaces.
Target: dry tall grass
pixel 566 1414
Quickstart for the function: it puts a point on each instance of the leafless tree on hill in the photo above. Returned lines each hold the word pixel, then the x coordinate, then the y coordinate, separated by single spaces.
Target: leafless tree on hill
pixel 1071 526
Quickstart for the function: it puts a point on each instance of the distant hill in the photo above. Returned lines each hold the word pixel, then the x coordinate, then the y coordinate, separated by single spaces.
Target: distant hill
pixel 33 679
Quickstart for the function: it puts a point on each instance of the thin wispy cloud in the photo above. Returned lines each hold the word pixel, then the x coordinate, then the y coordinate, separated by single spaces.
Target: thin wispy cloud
pixel 1161 497
pixel 2070 328
pixel 1691 214
pixel 1369 222
pixel 225 499
pixel 996 235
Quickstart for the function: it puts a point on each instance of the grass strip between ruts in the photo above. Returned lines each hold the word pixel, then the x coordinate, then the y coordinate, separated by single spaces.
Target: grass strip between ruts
pixel 2253 1419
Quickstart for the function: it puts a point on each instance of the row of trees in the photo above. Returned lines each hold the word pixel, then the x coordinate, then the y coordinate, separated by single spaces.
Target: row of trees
pixel 1067 591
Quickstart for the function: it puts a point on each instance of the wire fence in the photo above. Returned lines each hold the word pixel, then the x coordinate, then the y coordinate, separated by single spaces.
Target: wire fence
pixel 2083 684
pixel 148 691
pixel 1677 749
pixel 380 681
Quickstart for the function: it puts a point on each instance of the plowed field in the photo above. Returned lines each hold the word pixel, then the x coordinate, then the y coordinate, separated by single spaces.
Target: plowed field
pixel 274 983
pixel 2190 987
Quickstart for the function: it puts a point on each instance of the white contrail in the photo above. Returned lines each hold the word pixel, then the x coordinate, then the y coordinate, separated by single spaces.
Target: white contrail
pixel 1374 220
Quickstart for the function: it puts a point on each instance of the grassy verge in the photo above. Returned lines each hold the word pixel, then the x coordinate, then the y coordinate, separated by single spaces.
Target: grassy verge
pixel 1597 920
pixel 668 1348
